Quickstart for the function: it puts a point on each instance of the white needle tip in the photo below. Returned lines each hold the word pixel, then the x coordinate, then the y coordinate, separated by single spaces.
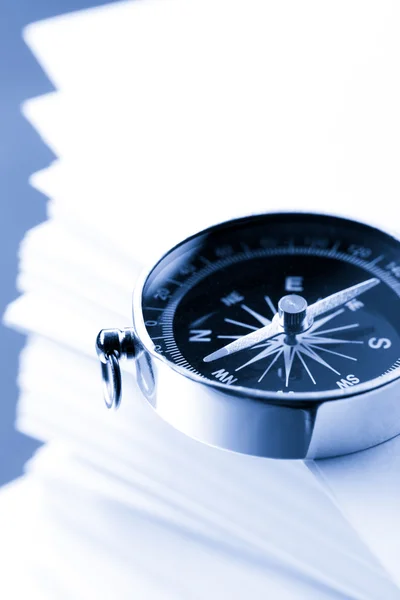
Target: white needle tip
pixel 216 355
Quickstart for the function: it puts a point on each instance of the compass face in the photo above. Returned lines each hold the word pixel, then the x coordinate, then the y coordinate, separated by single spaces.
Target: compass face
pixel 227 283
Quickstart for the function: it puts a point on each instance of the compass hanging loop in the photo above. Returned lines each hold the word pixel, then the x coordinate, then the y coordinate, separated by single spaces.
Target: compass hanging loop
pixel 111 346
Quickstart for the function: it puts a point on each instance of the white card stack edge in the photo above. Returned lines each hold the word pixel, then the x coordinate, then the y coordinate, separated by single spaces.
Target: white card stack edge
pixel 236 499
pixel 126 185
pixel 94 547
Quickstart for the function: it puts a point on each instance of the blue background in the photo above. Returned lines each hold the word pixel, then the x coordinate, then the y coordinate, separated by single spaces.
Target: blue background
pixel 21 153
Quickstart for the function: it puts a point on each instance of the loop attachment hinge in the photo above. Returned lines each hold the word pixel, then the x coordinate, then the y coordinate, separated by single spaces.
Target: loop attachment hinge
pixel 111 346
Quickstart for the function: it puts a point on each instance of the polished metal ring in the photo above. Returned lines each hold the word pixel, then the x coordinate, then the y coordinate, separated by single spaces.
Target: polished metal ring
pixel 111 345
pixel 111 380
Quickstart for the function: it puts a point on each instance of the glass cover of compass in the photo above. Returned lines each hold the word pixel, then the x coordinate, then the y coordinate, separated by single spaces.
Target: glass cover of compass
pixel 233 279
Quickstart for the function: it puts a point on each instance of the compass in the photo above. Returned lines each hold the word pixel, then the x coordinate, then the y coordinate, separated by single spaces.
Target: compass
pixel 275 335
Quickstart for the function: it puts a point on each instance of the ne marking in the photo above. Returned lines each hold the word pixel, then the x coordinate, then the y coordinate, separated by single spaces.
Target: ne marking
pixel 354 304
pixel 232 298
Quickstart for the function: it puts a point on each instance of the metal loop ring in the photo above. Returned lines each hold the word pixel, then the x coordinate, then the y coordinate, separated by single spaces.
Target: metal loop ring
pixel 111 373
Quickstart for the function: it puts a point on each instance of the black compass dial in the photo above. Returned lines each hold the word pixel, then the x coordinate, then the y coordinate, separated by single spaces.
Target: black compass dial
pixel 226 283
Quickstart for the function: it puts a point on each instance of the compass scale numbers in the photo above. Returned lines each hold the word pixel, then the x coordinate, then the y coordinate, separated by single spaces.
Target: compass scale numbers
pixel 230 284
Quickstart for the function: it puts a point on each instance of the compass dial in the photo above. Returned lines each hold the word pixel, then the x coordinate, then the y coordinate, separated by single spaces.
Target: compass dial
pixel 227 282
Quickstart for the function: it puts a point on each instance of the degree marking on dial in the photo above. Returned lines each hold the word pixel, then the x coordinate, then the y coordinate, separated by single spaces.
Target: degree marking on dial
pixel 152 308
pixel 376 260
pixel 212 267
pixel 260 318
pixel 240 324
pixel 394 367
pixel 175 282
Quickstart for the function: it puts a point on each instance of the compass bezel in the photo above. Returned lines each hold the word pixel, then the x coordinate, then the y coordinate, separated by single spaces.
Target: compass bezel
pixel 292 399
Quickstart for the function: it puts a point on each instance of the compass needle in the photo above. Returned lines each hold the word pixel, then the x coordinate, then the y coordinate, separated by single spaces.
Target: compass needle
pixel 339 298
pixel 292 309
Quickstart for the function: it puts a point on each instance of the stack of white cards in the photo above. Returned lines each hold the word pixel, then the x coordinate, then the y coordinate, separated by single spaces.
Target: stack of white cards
pixel 168 116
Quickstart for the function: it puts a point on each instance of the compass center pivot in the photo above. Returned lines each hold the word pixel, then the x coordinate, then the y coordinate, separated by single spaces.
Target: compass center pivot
pixel 293 317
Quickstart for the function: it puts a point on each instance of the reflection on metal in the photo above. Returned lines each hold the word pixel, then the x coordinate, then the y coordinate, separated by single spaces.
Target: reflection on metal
pixel 111 346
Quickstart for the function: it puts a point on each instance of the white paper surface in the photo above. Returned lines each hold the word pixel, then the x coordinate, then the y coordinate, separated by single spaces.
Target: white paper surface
pixel 170 116
pixel 366 487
